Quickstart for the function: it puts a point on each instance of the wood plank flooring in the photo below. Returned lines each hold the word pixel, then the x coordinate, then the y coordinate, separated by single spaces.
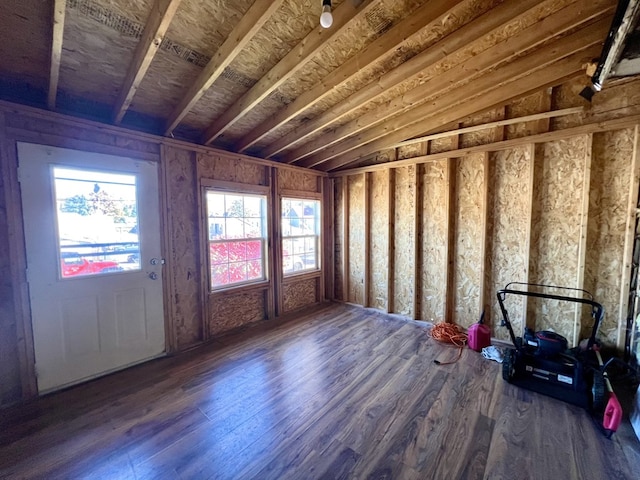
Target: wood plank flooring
pixel 344 393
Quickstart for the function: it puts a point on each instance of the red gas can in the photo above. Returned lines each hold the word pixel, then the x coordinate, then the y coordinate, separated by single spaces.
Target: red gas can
pixel 479 335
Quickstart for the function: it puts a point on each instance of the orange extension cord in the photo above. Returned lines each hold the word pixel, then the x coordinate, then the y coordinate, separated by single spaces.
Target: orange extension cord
pixel 449 334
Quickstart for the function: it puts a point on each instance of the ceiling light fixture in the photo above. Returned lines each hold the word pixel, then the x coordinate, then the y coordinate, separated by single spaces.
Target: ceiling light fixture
pixel 326 19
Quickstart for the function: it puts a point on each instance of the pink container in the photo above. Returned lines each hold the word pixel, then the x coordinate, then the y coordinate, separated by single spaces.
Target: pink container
pixel 479 336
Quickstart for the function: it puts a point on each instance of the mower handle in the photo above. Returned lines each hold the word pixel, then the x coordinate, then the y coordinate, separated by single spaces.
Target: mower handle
pixel 507 287
pixel 597 310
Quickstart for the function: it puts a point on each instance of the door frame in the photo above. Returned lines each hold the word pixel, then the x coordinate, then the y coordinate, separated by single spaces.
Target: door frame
pixel 17 247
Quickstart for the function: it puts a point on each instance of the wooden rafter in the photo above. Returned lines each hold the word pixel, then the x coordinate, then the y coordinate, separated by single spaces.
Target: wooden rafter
pixel 157 24
pixel 504 51
pixel 296 59
pixel 492 90
pixel 427 16
pixel 59 7
pixel 244 31
pixel 407 71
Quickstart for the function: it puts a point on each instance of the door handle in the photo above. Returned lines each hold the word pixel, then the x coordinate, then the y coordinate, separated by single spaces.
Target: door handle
pixel 157 261
pixel 153 276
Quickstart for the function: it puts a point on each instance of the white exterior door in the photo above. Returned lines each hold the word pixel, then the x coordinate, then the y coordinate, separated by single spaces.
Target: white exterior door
pixel 92 233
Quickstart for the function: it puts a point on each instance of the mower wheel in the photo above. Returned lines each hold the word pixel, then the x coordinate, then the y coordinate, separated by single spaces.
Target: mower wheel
pixel 508 365
pixel 598 393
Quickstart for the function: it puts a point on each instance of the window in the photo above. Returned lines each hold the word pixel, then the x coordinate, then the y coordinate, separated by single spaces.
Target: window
pixel 237 229
pixel 300 235
pixel 97 218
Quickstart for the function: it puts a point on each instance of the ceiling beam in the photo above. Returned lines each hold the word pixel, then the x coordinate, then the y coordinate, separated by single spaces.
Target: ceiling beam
pixel 59 8
pixel 498 123
pixel 428 16
pixel 244 31
pixel 470 101
pixel 162 13
pixel 297 58
pixel 502 52
pixel 407 71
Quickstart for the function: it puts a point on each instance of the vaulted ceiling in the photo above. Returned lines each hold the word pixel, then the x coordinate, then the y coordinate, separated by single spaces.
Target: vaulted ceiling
pixel 264 78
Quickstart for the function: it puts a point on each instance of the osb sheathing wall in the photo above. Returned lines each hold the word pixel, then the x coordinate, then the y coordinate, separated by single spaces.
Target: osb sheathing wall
pixel 553 212
pixel 193 314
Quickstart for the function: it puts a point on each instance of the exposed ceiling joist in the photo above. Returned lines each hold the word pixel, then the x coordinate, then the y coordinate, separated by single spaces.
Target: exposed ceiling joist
pixel 162 12
pixel 427 16
pixel 411 69
pixel 472 101
pixel 245 30
pixel 59 8
pixel 297 58
pixel 457 76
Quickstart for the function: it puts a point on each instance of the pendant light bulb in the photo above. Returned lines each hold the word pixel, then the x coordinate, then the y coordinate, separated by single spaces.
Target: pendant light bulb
pixel 326 19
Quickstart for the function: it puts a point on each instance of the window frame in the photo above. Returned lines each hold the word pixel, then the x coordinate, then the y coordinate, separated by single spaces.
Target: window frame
pixel 318 236
pixel 232 188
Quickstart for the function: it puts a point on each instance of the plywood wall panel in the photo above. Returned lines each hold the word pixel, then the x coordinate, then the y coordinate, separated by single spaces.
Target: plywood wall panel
pixel 438 145
pixel 379 281
pixel 410 151
pixel 338 218
pixel 556 229
pixel 529 105
pixel 300 293
pixel 434 241
pixel 468 239
pixel 297 180
pixel 88 134
pixel 356 239
pixel 230 311
pixel 404 236
pixel 484 136
pixel 230 169
pixel 610 177
pixel 184 261
pixel 509 219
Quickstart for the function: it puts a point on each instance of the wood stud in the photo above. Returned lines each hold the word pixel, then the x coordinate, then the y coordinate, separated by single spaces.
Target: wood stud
pixel 582 246
pixel 391 240
pixel 167 247
pixel 484 229
pixel 531 153
pixel 450 255
pixel 345 239
pixel 417 240
pixel 367 238
pixel 632 206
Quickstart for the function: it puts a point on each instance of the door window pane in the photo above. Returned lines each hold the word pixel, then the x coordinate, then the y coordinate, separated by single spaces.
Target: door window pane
pixel 97 220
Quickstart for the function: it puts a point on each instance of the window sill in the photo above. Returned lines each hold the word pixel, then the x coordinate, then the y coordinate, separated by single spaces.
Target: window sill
pixel 302 275
pixel 235 289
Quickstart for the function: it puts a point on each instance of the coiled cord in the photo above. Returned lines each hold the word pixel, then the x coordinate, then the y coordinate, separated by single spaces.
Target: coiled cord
pixel 450 334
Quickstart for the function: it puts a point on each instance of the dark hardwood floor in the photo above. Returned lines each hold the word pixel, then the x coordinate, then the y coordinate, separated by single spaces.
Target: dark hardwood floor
pixel 342 393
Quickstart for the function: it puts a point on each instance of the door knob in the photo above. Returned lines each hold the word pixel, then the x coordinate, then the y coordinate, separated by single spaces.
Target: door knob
pixel 153 276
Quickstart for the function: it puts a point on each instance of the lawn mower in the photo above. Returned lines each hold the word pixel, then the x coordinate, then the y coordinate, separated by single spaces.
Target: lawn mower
pixel 543 362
